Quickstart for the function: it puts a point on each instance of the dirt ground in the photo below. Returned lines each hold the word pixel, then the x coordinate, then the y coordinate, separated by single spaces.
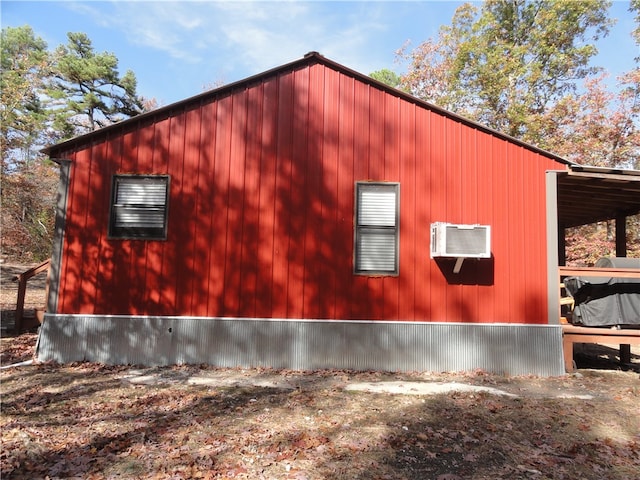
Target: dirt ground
pixel 92 421
pixel 96 422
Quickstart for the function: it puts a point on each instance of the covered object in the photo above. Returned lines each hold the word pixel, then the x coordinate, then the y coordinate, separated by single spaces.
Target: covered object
pixel 606 301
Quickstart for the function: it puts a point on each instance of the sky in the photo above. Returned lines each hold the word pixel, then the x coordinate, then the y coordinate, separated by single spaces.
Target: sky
pixel 179 49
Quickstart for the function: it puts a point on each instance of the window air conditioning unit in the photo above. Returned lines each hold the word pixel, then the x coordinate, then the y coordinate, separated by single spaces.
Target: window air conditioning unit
pixel 460 241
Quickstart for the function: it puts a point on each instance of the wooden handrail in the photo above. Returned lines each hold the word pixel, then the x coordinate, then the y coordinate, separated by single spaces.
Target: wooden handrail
pixel 599 272
pixel 22 290
pixel 607 332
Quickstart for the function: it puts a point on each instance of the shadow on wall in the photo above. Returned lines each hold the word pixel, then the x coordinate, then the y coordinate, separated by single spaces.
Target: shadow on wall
pixel 260 183
pixel 474 271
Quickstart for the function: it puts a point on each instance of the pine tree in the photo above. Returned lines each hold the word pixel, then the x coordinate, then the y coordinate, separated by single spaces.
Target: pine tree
pixel 90 92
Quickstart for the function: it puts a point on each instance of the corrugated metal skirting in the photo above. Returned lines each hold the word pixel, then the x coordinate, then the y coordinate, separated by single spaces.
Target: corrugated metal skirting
pixel 513 349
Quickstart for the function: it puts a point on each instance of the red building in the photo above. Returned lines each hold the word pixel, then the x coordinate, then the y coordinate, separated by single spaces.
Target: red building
pixel 285 220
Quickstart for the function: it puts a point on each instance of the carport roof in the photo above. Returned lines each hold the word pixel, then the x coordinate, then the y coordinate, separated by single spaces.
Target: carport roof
pixel 593 194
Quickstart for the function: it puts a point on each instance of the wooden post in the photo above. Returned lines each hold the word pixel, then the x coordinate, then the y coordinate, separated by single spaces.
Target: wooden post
pixel 567 352
pixel 625 353
pixel 621 235
pixel 22 290
pixel 562 249
pixel 621 251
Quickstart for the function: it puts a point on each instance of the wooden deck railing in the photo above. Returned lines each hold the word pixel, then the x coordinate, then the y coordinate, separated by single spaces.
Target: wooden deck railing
pixel 22 279
pixel 598 272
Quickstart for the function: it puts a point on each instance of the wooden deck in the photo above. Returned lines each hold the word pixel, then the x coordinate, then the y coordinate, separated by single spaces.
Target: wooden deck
pixel 576 334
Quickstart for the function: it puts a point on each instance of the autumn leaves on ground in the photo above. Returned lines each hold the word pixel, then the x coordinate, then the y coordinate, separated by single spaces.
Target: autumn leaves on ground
pixel 90 421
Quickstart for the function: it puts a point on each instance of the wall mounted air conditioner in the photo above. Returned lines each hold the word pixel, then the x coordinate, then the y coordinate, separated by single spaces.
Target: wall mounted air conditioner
pixel 460 241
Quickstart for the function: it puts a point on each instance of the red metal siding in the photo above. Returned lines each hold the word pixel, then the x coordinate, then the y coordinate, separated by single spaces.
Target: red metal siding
pixel 486 188
pixel 261 209
pixel 424 288
pixel 284 207
pixel 406 282
pixel 314 251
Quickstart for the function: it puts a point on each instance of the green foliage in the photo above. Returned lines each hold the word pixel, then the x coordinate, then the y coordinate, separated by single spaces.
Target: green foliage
pixel 597 126
pixel 24 65
pixel 91 91
pixel 506 63
pixel 387 77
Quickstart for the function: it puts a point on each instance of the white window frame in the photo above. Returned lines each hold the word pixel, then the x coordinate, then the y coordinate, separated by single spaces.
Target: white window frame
pixel 138 206
pixel 376 229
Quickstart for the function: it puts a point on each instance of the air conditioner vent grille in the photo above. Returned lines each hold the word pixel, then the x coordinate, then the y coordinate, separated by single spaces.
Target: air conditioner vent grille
pixel 461 241
pixel 466 241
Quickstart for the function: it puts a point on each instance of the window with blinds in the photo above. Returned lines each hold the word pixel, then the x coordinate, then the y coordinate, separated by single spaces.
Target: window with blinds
pixel 376 235
pixel 139 207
